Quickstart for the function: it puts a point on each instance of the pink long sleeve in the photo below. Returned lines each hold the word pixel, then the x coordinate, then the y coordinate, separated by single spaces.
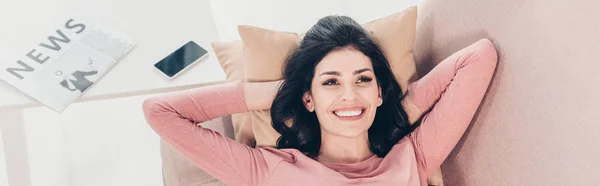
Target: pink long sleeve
pixel 452 92
pixel 175 116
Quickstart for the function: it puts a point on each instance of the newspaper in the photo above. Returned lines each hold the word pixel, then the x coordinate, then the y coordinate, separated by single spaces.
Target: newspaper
pixel 66 63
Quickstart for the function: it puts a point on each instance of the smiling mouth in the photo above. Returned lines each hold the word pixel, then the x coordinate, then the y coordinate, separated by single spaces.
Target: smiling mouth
pixel 350 114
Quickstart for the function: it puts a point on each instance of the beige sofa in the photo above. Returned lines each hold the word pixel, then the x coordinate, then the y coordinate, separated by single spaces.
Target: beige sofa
pixel 540 121
pixel 538 124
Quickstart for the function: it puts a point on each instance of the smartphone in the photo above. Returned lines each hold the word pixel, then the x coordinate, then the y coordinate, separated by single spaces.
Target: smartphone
pixel 181 59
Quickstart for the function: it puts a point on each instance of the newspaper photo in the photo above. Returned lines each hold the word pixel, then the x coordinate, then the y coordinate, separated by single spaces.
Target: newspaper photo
pixel 66 63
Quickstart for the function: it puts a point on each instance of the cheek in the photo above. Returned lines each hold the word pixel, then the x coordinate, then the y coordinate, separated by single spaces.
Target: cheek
pixel 323 98
pixel 370 94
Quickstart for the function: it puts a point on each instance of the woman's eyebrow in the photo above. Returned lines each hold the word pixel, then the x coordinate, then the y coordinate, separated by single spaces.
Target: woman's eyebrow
pixel 361 71
pixel 336 73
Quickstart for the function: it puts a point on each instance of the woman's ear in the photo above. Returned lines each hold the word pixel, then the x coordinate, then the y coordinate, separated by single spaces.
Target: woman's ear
pixel 379 99
pixel 308 103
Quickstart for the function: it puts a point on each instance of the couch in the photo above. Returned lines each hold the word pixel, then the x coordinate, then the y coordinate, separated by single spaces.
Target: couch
pixel 539 122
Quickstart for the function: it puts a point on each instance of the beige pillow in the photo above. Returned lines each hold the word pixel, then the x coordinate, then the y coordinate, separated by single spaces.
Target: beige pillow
pixel 265 52
pixel 231 59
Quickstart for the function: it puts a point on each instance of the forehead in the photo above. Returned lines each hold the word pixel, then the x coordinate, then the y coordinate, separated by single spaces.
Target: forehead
pixel 344 60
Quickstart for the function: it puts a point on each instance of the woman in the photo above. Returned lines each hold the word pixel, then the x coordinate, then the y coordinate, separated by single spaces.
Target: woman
pixel 340 112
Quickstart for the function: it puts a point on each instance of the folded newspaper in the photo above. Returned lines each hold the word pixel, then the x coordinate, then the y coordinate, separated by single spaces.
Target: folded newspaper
pixel 65 64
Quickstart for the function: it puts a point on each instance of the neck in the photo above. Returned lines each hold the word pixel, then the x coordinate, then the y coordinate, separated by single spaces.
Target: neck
pixel 339 149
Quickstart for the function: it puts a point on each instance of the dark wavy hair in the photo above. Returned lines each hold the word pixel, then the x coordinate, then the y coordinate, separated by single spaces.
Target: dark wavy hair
pixel 303 131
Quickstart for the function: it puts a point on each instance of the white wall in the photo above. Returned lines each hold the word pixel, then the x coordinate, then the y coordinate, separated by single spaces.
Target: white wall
pixel 15 147
pixel 275 14
pixel 3 172
pixel 296 16
pixel 45 147
pixel 93 144
pixel 365 11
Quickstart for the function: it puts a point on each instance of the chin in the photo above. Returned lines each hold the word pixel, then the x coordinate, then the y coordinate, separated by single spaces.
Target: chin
pixel 353 134
pixel 348 132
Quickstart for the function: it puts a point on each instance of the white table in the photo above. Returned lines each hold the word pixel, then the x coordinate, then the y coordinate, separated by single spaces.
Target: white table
pixel 158 27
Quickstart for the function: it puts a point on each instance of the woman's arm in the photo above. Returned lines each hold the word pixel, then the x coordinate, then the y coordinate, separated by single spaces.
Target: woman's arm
pixel 175 116
pixel 452 92
pixel 260 96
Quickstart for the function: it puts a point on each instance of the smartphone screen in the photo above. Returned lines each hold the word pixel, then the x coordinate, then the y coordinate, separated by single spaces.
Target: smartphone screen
pixel 181 58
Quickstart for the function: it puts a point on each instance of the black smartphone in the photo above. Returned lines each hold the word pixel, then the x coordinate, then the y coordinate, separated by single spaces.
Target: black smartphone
pixel 181 59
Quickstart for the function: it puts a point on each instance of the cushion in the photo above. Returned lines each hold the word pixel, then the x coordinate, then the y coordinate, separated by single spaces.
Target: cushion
pixel 538 123
pixel 265 52
pixel 230 57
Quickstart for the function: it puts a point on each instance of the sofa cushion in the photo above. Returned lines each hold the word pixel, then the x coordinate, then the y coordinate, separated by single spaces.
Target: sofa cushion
pixel 231 59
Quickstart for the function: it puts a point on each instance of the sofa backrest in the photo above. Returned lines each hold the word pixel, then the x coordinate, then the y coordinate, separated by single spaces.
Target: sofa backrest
pixel 540 120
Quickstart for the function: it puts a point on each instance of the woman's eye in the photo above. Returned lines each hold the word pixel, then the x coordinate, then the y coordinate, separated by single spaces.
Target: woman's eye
pixel 364 79
pixel 330 82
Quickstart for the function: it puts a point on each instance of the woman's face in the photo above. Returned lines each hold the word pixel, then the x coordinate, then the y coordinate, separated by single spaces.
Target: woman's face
pixel 344 93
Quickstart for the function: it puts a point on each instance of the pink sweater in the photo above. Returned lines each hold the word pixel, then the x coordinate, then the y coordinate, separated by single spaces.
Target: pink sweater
pixel 453 91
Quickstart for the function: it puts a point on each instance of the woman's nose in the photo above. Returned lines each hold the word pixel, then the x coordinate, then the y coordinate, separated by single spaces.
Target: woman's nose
pixel 349 93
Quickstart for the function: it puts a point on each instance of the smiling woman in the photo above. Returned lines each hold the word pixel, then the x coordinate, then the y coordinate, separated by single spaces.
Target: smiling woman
pixel 339 111
pixel 341 95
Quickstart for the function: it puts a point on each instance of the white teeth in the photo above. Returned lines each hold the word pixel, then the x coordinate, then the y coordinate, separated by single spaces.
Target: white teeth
pixel 348 113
